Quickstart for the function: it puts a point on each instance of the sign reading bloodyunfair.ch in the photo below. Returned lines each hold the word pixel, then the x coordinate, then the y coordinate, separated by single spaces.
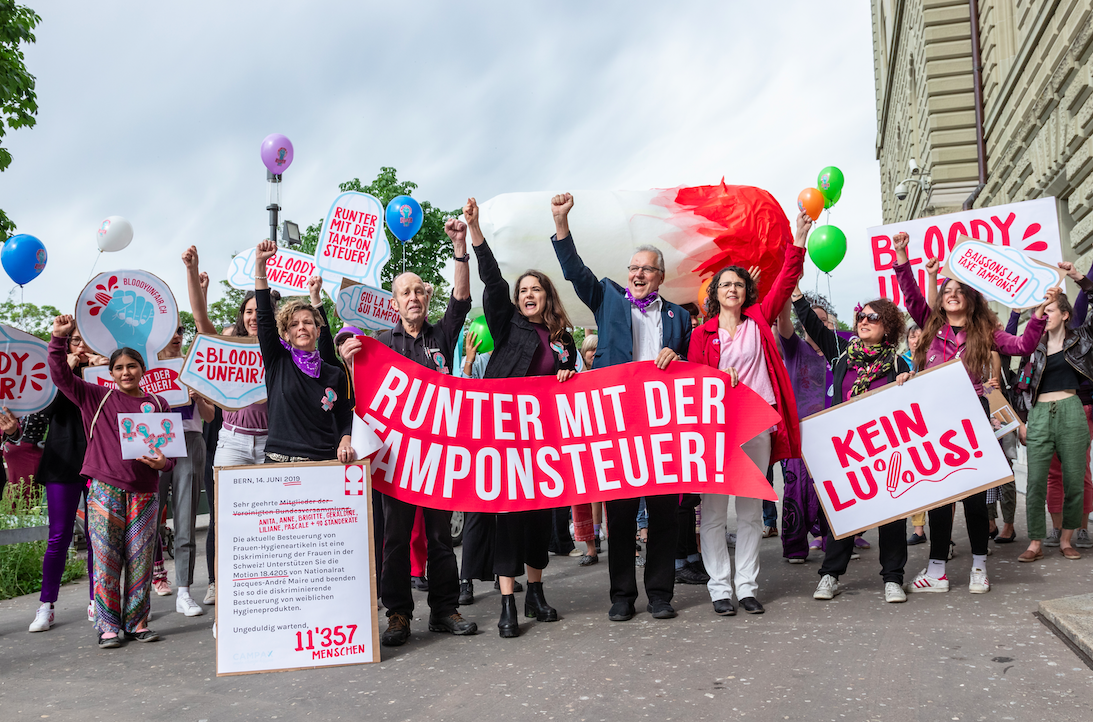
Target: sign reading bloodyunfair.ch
pixel 227 370
pixel 534 443
pixel 133 309
pixel 295 577
pixel 895 451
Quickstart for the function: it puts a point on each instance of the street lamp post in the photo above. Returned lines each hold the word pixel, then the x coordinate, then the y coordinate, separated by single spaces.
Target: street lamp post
pixel 274 203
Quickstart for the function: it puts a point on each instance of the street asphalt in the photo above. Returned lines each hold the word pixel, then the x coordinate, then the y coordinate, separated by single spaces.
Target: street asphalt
pixel 954 656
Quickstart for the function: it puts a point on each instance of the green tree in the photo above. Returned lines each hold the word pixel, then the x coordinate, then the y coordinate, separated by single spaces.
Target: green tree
pixel 225 310
pixel 18 102
pixel 35 320
pixel 425 254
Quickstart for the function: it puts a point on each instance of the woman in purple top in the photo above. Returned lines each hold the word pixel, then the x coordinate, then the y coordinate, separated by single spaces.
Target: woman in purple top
pixel 122 503
pixel 530 338
pixel 959 324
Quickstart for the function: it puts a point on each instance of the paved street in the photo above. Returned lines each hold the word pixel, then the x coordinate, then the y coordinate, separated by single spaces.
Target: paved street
pixel 952 656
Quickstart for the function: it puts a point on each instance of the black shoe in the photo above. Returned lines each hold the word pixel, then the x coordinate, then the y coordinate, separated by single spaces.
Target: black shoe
pixel 398 630
pixel 535 604
pixel 916 538
pixel 466 593
pixel 751 605
pixel 687 574
pixel 724 607
pixel 517 587
pixel 109 642
pixel 621 612
pixel 1006 539
pixel 587 561
pixel 661 610
pixel 419 583
pixel 146 636
pixel 599 550
pixel 509 625
pixel 453 623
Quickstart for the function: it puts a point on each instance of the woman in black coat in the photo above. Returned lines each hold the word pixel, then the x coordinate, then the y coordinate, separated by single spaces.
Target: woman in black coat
pixel 530 338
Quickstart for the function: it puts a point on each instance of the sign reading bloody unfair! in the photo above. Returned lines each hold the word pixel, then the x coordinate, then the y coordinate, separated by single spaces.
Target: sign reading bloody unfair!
pixel 352 243
pixel 25 386
pixel 534 443
pixel 901 449
pixel 227 370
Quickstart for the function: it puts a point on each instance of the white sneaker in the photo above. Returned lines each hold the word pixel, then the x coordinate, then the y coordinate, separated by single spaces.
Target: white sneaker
pixel 91 612
pixel 795 560
pixel 893 593
pixel 923 582
pixel 214 629
pixel 210 594
pixel 730 538
pixel 186 605
pixel 43 618
pixel 979 583
pixel 828 588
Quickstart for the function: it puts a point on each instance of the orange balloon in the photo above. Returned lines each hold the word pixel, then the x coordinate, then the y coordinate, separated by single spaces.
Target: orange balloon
pixel 811 201
pixel 702 290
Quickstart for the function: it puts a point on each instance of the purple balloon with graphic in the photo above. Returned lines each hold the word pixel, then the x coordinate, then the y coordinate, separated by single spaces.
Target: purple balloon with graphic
pixel 277 153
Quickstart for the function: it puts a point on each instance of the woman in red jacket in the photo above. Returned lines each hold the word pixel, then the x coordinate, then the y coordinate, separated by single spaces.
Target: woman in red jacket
pixel 737 339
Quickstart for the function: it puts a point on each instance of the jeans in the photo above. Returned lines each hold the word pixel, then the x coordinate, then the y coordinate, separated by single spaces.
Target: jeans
pixel 770 508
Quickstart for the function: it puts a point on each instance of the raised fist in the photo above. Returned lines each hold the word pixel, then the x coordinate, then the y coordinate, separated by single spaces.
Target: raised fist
pixel 561 205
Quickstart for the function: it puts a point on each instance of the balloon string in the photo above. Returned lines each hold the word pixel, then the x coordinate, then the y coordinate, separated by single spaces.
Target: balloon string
pixel 92 274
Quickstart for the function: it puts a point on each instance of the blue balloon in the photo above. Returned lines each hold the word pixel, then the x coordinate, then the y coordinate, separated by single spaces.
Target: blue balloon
pixel 404 217
pixel 23 257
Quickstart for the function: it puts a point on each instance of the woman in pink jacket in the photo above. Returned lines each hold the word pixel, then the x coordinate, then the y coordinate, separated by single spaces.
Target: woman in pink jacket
pixel 738 340
pixel 959 324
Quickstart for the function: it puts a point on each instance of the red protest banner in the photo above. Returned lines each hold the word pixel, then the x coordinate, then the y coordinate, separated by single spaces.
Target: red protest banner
pixel 532 443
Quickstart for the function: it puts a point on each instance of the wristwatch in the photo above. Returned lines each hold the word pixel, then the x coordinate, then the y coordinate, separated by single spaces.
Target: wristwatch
pixel 466 257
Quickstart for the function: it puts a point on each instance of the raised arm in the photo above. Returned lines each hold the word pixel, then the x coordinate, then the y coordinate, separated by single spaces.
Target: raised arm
pixel 825 338
pixel 1026 343
pixel 584 281
pixel 497 304
pixel 786 280
pixel 76 389
pixel 198 302
pixel 268 338
pixel 785 318
pixel 327 352
pixel 913 299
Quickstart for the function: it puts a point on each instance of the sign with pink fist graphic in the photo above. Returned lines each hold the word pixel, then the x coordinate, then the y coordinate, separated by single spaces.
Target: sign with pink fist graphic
pixel 133 309
pixel 902 449
pixel 142 434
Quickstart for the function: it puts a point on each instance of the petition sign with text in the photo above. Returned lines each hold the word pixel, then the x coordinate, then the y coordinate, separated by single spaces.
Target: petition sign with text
pixel 534 443
pixel 903 449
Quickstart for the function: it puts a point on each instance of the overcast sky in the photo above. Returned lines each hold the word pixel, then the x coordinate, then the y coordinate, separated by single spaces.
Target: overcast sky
pixel 156 111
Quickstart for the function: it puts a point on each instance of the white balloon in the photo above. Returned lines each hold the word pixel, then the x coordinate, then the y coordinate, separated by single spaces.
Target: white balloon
pixel 114 234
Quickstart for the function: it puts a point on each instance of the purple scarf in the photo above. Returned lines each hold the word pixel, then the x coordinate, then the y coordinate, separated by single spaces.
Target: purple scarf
pixel 306 361
pixel 641 303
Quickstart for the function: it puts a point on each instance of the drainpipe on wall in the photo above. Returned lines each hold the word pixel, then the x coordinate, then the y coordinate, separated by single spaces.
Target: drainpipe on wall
pixel 977 88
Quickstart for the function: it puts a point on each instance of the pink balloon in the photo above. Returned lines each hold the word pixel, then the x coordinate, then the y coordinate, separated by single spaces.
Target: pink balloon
pixel 277 153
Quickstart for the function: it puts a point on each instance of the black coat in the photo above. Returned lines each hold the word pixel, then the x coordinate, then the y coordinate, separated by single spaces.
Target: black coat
pixel 515 339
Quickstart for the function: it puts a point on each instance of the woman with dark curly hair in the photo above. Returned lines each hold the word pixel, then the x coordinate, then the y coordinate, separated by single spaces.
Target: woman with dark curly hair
pixel 958 324
pixel 738 340
pixel 870 361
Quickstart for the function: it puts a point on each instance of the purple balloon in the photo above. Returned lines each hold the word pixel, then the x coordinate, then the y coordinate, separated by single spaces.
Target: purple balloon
pixel 277 153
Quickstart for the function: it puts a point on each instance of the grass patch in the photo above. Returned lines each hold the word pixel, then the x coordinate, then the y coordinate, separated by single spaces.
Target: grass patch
pixel 21 564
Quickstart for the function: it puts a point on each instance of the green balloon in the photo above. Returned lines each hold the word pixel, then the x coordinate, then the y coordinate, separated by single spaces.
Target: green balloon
pixel 832 200
pixel 827 247
pixel 482 332
pixel 830 182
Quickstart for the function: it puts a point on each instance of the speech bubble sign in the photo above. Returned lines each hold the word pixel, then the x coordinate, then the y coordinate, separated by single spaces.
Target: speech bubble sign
pixel 25 385
pixel 352 243
pixel 1002 274
pixel 161 379
pixel 287 271
pixel 227 370
pixel 366 307
pixel 127 308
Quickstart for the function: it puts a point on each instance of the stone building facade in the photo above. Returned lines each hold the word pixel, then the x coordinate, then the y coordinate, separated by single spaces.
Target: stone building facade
pixel 1037 80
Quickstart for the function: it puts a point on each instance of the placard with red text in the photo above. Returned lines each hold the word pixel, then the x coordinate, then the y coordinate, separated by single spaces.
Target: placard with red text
pixel 533 443
pixel 25 385
pixel 1001 274
pixel 162 379
pixel 295 576
pixel 1031 227
pixel 353 243
pixel 902 449
pixel 366 307
pixel 227 370
pixel 287 271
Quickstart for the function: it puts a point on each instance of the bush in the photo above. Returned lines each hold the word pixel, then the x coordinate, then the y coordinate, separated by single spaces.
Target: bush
pixel 21 564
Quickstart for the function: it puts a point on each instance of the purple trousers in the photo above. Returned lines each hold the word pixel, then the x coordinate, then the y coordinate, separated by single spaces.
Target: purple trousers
pixel 801 510
pixel 62 502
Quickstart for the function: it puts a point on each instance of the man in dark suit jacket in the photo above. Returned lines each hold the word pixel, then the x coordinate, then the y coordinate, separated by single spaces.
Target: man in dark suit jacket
pixel 634 324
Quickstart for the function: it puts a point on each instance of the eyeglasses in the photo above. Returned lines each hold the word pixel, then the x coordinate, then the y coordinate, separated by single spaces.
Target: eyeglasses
pixel 732 284
pixel 179 331
pixel 75 340
pixel 649 270
pixel 870 317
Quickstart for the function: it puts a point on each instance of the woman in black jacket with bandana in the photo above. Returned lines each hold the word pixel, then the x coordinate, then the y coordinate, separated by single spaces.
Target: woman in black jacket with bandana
pixel 530 338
